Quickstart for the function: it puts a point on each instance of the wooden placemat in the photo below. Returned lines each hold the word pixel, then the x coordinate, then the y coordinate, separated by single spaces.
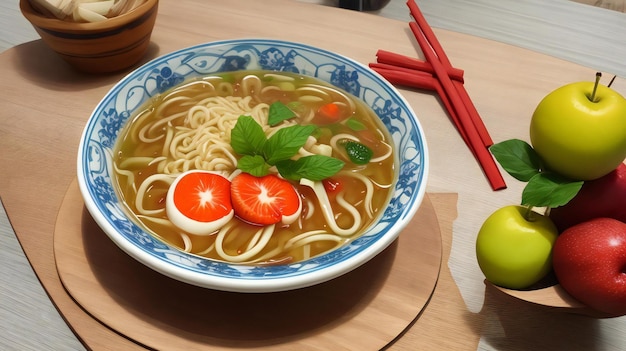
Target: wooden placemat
pixel 365 309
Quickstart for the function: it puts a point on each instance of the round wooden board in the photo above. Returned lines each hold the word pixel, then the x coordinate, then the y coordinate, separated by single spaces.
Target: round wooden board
pixel 365 309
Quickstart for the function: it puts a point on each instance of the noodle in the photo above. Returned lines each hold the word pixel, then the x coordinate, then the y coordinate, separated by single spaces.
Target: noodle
pixel 189 128
pixel 265 234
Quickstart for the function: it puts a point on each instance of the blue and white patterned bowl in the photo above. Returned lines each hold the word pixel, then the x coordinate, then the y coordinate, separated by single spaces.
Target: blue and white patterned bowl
pixel 159 75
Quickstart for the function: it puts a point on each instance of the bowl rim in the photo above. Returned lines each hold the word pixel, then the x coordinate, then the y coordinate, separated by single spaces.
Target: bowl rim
pixel 49 23
pixel 266 284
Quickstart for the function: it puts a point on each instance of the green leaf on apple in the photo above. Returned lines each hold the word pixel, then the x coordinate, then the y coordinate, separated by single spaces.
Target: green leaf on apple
pixel 518 158
pixel 549 190
pixel 543 188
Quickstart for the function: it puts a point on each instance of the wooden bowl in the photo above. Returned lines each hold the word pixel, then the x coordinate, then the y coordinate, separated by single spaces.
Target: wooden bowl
pixel 100 47
pixel 553 297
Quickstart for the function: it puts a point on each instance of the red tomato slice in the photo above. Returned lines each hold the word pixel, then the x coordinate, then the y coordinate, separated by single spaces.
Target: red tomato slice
pixel 199 202
pixel 264 200
pixel 332 185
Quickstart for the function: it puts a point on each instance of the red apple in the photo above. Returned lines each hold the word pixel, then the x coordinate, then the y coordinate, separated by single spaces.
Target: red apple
pixel 589 261
pixel 603 197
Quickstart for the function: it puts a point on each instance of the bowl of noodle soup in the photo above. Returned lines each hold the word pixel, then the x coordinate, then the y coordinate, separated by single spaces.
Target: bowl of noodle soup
pixel 183 114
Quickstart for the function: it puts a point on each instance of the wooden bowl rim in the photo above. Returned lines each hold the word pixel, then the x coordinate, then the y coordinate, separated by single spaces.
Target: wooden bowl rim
pixel 553 297
pixel 36 19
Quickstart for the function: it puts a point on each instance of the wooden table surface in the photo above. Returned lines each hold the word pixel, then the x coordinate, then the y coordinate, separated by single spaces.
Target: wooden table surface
pixel 45 105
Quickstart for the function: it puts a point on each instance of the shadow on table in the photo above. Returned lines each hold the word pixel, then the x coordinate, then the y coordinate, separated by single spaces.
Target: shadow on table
pixel 36 62
pixel 514 325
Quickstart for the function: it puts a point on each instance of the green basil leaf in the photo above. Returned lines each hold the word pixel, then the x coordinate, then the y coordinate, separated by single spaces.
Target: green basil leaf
pixel 314 167
pixel 247 136
pixel 358 153
pixel 518 158
pixel 286 142
pixel 278 113
pixel 549 190
pixel 254 165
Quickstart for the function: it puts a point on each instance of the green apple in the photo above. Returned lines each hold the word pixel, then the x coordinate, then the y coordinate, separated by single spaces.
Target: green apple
pixel 514 247
pixel 580 133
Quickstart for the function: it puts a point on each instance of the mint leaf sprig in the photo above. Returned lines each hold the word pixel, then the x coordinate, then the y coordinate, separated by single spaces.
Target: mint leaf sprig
pixel 260 153
pixel 544 188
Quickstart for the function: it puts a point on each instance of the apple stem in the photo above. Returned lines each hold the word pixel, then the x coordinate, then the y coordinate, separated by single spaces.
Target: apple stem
pixel 547 212
pixel 592 98
pixel 612 80
pixel 528 215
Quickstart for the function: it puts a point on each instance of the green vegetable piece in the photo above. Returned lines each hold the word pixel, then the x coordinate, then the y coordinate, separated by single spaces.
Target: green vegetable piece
pixel 314 167
pixel 228 77
pixel 358 153
pixel 247 137
pixel 278 113
pixel 322 132
pixel 286 142
pixel 355 124
pixel 518 158
pixel 549 190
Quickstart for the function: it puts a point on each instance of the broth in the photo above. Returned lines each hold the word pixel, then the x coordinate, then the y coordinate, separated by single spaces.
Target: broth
pixel 188 127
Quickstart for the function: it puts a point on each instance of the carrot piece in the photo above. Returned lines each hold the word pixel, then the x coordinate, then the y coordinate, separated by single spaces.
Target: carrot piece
pixel 329 113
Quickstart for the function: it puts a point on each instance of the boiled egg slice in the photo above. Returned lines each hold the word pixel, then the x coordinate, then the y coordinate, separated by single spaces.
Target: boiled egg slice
pixel 198 202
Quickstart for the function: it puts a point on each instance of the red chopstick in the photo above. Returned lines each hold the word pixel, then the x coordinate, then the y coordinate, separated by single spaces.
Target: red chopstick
pixel 409 62
pixel 416 13
pixel 411 78
pixel 420 80
pixel 480 150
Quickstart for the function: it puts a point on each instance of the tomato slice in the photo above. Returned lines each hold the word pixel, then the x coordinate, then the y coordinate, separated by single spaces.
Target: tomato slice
pixel 332 185
pixel 199 202
pixel 264 200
